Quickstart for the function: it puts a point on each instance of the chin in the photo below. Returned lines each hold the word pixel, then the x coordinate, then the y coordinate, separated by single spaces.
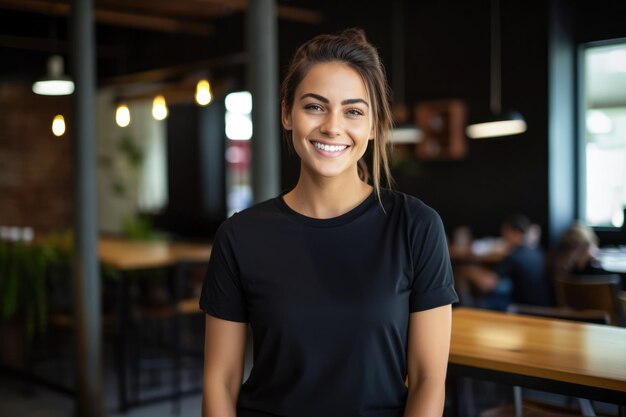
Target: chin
pixel 326 172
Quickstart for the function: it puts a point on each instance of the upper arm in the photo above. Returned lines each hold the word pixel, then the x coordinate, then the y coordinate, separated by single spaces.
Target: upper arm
pixel 224 349
pixel 433 281
pixel 429 344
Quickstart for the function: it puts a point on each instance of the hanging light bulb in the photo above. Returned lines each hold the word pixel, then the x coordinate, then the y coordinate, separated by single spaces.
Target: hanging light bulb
pixel 55 83
pixel 159 108
pixel 122 115
pixel 58 125
pixel 203 93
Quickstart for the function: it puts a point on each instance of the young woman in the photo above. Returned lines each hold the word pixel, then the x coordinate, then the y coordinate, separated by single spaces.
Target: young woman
pixel 347 286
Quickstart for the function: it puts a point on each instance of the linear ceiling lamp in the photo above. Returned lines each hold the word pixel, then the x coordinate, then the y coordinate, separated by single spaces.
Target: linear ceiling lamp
pixel 500 123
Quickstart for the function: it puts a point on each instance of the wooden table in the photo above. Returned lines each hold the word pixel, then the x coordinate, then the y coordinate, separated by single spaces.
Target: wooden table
pixel 124 256
pixel 460 257
pixel 578 359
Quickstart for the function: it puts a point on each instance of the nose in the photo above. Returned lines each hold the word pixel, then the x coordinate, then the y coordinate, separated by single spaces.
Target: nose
pixel 331 125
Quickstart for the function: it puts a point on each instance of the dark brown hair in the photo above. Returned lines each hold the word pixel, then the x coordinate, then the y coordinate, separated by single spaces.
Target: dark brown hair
pixel 349 47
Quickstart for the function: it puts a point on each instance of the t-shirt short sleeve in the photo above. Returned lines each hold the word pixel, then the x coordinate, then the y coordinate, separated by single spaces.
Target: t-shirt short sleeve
pixel 433 281
pixel 222 291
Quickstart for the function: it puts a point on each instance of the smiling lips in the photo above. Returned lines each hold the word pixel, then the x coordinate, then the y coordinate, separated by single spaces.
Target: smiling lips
pixel 329 150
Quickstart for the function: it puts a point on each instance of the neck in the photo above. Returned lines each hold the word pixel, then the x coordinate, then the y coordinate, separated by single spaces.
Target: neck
pixel 324 198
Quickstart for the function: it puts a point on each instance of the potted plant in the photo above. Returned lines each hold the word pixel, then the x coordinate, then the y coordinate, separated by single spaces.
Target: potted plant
pixel 23 291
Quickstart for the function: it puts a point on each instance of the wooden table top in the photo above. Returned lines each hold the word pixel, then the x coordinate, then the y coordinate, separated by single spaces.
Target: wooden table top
pixel 466 256
pixel 565 351
pixel 127 254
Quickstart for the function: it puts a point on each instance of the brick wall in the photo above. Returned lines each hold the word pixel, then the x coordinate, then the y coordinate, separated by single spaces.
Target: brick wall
pixel 35 166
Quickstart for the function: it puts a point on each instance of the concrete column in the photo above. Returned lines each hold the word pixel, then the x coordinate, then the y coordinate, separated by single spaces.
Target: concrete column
pixel 263 81
pixel 562 201
pixel 87 300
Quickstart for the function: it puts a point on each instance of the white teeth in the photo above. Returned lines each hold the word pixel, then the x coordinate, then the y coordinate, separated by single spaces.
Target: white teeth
pixel 330 148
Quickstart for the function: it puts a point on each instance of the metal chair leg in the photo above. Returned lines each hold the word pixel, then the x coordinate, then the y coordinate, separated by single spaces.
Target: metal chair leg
pixel 517 400
pixel 586 408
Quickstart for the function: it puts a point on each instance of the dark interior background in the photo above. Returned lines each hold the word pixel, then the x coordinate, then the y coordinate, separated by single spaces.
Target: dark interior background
pixel 446 56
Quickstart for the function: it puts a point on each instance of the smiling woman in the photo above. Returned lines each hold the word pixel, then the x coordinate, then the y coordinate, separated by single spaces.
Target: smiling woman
pixel 347 285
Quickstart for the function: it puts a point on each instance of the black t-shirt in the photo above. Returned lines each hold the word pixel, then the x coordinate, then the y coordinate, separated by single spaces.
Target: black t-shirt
pixel 328 301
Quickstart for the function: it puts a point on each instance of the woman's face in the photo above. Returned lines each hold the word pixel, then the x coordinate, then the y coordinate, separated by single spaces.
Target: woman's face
pixel 330 120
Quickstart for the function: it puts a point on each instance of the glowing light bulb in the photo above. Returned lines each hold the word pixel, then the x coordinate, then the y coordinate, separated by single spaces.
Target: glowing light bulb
pixel 203 93
pixel 58 125
pixel 122 115
pixel 159 108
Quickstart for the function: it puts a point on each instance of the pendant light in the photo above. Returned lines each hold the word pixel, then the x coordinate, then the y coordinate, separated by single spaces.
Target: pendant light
pixel 159 108
pixel 55 83
pixel 122 115
pixel 403 132
pixel 499 123
pixel 58 125
pixel 203 93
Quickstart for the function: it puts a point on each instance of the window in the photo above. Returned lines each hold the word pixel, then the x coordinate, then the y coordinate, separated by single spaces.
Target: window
pixel 604 135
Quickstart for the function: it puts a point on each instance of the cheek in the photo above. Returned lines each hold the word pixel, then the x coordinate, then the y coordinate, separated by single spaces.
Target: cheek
pixel 360 132
pixel 301 126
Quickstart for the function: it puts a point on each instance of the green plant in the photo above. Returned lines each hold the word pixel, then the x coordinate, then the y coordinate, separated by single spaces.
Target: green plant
pixel 23 267
pixel 140 228
pixel 123 182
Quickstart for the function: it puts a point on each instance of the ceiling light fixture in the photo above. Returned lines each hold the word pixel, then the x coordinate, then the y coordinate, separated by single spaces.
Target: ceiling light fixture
pixel 58 125
pixel 122 115
pixel 55 83
pixel 203 93
pixel 500 123
pixel 159 108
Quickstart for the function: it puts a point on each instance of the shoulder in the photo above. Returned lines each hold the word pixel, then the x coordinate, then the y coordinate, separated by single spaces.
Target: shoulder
pixel 416 211
pixel 247 220
pixel 254 213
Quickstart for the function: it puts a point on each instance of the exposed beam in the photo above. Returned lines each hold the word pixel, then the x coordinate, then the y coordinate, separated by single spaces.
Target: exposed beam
pixel 161 24
pixel 180 16
pixel 164 74
pixel 299 15
pixel 113 17
pixel 209 8
pixel 190 9
pixel 49 45
pixel 182 92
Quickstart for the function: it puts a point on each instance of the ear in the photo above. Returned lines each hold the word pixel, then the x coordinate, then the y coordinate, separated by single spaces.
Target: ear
pixel 372 133
pixel 285 116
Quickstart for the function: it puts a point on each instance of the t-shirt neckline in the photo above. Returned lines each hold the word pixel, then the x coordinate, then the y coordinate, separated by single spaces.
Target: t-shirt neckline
pixel 342 219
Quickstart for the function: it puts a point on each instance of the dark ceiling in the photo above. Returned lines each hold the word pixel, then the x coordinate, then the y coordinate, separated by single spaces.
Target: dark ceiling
pixel 135 36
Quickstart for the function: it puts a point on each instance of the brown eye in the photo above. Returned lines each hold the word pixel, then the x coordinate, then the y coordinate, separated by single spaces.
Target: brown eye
pixel 314 107
pixel 355 112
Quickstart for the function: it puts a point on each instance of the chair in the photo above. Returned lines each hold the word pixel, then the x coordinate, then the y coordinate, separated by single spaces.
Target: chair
pixel 529 408
pixel 179 300
pixel 596 292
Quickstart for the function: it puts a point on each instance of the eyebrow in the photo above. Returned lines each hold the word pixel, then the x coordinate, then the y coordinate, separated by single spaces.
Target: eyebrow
pixel 325 100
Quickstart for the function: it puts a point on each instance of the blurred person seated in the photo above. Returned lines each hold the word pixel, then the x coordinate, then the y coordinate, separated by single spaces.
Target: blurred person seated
pixel 519 277
pixel 575 253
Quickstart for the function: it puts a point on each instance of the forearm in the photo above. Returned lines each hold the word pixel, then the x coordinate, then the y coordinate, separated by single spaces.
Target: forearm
pixel 426 398
pixel 218 401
